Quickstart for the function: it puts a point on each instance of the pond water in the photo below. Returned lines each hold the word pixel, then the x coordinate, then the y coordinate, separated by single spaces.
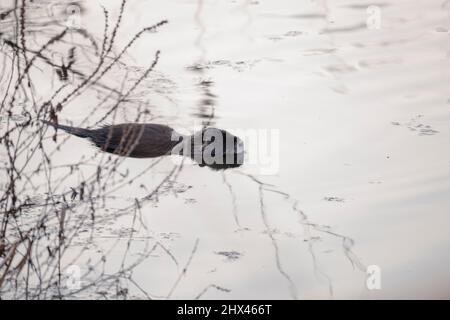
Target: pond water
pixel 350 107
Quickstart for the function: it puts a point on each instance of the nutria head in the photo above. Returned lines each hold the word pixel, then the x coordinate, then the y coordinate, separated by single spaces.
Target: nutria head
pixel 214 148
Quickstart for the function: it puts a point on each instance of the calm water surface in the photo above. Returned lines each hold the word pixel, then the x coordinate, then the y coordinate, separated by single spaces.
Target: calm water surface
pixel 363 116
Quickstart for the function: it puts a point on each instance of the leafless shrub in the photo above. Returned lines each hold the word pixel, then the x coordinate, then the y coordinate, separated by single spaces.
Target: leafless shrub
pixel 40 219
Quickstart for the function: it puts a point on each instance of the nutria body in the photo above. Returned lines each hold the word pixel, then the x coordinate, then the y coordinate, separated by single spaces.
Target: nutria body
pixel 129 139
pixel 210 147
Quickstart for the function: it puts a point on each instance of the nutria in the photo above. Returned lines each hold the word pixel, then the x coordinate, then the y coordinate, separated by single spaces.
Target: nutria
pixel 212 147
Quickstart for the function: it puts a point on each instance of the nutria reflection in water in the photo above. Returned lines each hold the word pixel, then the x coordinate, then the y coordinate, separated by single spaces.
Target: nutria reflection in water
pixel 211 147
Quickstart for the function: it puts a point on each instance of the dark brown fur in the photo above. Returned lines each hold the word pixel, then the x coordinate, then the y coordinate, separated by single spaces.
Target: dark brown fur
pixel 139 140
pixel 129 139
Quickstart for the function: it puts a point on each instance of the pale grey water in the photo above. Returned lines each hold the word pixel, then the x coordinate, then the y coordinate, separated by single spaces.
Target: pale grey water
pixel 363 117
